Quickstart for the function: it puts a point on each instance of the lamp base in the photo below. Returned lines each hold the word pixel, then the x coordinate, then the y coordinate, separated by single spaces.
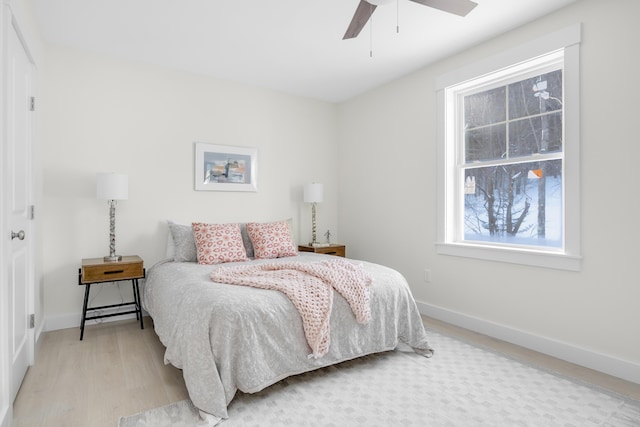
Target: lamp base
pixel 114 258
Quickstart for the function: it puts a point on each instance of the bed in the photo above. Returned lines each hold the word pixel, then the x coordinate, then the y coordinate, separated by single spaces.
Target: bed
pixel 226 337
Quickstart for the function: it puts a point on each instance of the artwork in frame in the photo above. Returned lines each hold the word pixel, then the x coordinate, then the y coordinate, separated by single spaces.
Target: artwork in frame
pixel 225 168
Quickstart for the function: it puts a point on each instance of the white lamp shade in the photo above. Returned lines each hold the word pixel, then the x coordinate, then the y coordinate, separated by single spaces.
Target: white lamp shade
pixel 112 186
pixel 313 193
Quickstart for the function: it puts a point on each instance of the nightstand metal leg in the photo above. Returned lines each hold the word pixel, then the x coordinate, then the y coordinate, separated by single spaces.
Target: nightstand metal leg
pixel 84 309
pixel 136 290
pixel 135 298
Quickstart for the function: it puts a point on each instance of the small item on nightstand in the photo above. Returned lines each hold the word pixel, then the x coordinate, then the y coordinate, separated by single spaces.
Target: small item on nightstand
pixel 328 236
pixel 320 245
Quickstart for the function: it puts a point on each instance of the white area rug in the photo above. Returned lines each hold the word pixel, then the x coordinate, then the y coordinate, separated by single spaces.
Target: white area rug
pixel 461 385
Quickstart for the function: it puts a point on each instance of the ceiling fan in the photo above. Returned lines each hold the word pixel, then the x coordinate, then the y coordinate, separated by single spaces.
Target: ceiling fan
pixel 366 7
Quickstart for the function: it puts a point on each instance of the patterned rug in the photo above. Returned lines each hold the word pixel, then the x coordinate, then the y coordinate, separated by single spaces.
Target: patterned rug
pixel 461 385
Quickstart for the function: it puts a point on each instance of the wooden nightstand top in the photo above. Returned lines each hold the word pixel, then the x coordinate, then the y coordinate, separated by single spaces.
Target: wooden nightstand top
pixel 332 249
pixel 96 270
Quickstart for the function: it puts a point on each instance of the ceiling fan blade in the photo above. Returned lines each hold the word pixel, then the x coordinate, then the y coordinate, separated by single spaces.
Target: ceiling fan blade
pixel 359 20
pixel 457 7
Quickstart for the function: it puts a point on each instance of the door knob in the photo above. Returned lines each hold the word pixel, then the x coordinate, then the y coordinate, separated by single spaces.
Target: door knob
pixel 19 235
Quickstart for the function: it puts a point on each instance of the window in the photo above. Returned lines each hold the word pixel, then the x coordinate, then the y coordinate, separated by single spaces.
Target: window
pixel 510 138
pixel 508 156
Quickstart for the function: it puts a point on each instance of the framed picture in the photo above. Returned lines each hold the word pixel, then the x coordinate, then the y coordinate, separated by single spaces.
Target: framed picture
pixel 225 168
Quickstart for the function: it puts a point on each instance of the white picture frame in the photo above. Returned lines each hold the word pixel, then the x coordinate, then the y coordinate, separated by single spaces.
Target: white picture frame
pixel 225 168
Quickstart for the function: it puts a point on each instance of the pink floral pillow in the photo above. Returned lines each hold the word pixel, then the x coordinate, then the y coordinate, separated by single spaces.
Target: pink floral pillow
pixel 271 240
pixel 218 243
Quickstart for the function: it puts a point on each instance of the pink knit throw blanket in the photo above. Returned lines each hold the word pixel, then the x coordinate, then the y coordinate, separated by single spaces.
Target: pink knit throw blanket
pixel 310 287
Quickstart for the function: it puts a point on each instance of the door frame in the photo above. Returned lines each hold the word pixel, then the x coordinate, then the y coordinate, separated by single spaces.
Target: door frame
pixel 10 21
pixel 6 405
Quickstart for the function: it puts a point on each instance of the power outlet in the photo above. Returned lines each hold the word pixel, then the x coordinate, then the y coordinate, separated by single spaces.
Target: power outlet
pixel 427 276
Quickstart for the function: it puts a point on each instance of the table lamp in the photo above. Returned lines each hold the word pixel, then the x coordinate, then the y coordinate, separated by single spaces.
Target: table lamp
pixel 313 195
pixel 112 187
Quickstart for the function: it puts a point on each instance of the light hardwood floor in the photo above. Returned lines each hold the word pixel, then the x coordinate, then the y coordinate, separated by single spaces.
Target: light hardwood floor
pixel 118 370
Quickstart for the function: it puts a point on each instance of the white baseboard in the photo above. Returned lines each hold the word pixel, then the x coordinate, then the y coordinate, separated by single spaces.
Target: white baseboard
pixel 580 356
pixel 66 321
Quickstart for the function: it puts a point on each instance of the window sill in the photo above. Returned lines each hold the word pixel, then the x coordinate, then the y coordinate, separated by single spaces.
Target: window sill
pixel 560 261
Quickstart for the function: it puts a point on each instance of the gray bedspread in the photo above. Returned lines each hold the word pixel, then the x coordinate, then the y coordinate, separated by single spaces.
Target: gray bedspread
pixel 227 338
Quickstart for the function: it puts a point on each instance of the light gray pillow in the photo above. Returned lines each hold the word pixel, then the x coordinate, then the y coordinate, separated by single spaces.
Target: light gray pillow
pixel 248 245
pixel 183 242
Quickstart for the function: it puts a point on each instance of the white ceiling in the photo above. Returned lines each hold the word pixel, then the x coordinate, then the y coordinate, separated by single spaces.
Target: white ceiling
pixel 293 46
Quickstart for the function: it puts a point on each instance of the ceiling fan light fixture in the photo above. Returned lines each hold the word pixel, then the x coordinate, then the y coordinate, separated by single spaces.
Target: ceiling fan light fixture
pixel 366 8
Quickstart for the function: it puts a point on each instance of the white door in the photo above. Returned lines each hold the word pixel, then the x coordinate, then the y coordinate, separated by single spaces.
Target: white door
pixel 17 181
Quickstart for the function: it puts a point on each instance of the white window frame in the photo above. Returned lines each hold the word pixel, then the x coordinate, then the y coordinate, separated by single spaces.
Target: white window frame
pixel 449 241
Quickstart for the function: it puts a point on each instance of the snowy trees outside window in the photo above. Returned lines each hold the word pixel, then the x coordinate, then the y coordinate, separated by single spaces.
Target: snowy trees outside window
pixel 512 164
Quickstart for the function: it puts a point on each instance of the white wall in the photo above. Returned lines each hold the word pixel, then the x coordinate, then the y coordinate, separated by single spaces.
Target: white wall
pixel 388 201
pixel 99 113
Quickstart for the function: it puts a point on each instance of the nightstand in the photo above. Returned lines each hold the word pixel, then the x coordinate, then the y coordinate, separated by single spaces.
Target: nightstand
pixel 97 270
pixel 332 249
